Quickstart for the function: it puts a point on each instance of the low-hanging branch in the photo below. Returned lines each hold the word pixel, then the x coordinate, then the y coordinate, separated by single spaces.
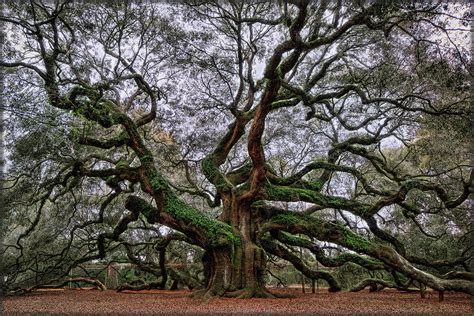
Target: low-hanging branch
pixel 325 260
pixel 322 230
pixel 97 284
pixel 278 250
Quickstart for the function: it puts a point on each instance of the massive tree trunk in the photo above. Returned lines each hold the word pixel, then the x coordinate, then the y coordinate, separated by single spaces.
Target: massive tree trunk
pixel 218 270
pixel 249 260
pixel 239 271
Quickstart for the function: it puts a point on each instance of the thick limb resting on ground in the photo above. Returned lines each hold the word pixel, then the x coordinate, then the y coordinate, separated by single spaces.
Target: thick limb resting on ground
pixel 96 283
pixel 374 284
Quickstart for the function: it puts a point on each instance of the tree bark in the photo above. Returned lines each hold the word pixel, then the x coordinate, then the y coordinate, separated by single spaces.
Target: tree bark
pixel 237 272
pixel 217 270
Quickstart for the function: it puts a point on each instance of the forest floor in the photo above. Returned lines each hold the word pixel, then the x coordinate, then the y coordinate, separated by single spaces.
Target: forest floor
pixel 178 302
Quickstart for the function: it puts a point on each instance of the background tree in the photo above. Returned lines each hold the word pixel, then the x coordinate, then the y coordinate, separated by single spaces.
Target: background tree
pixel 278 116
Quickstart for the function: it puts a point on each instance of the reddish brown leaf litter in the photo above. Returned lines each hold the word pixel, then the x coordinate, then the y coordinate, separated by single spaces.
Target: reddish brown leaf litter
pixel 179 302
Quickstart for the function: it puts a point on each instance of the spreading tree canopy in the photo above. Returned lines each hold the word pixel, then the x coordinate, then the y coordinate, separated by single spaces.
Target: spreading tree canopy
pixel 247 129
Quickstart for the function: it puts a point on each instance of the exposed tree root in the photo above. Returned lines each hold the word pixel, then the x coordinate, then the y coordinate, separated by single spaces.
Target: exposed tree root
pixel 259 292
pixel 208 294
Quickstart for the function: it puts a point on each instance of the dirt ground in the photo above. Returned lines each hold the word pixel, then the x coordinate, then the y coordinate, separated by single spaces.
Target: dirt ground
pixel 178 302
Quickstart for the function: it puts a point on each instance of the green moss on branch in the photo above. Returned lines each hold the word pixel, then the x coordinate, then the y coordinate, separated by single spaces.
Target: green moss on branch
pixel 219 233
pixel 313 185
pixel 355 242
pixel 320 229
pixel 213 174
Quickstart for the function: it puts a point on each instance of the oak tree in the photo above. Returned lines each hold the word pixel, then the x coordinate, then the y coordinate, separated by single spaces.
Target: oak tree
pixel 247 128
